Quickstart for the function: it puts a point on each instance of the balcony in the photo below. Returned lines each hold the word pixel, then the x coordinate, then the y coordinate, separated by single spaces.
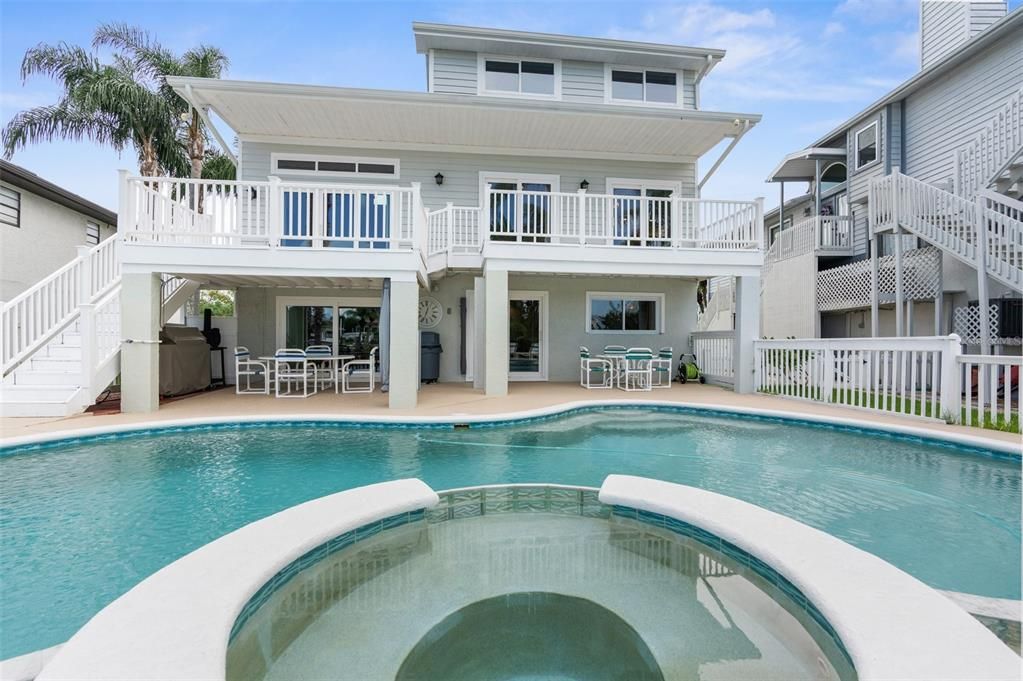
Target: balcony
pixel 285 224
pixel 822 235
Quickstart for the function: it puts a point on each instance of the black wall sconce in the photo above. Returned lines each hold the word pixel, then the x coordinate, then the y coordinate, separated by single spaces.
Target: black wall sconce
pixel 585 184
pixel 439 178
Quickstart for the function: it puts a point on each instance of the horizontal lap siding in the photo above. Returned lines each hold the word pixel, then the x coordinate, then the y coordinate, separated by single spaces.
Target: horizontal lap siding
pixel 689 90
pixel 949 113
pixel 582 81
pixel 454 73
pixel 943 27
pixel 859 181
pixel 461 171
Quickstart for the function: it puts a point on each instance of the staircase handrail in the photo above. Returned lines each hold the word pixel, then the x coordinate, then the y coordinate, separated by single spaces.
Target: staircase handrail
pixel 978 163
pixel 35 316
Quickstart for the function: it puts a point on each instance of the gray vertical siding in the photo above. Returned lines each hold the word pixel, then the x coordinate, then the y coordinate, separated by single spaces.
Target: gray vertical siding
pixel 461 171
pixel 950 112
pixel 859 180
pixel 454 73
pixel 582 81
pixel 689 97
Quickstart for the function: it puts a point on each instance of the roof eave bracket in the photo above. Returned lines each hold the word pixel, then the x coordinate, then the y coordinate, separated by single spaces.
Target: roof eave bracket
pixel 203 110
pixel 745 126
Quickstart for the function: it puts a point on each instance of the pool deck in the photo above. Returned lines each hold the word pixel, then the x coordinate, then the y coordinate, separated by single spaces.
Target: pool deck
pixel 460 400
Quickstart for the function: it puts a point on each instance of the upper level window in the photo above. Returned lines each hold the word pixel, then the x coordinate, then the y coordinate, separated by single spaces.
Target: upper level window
pixel 520 76
pixel 10 207
pixel 659 87
pixel 866 145
pixel 833 176
pixel 91 233
pixel 304 164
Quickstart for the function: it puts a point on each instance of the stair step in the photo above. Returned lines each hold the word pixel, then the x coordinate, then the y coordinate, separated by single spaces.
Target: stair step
pixel 71 339
pixel 28 377
pixel 61 351
pixel 62 364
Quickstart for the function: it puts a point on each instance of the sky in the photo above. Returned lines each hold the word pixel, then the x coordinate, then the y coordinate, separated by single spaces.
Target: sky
pixel 805 65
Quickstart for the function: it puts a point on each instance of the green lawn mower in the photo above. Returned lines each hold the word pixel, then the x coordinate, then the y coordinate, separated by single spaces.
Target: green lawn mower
pixel 688 369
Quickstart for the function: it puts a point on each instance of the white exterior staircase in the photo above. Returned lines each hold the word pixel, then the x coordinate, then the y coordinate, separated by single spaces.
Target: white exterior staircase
pixel 994 159
pixel 60 341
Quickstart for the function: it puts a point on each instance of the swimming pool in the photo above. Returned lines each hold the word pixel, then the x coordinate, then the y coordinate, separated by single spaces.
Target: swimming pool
pixel 82 522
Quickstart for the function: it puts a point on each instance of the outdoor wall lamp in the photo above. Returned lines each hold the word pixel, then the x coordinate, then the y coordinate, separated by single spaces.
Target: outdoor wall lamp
pixel 439 178
pixel 585 184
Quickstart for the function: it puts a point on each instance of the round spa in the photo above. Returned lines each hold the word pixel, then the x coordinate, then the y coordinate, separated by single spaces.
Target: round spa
pixel 534 582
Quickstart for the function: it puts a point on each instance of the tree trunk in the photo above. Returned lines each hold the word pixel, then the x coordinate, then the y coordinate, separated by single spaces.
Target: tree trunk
pixel 148 164
pixel 196 145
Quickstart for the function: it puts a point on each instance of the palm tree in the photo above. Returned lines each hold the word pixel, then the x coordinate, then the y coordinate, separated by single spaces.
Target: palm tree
pixel 204 61
pixel 104 103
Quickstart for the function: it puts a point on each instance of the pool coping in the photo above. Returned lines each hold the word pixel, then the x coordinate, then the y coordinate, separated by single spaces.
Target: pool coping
pixel 913 432
pixel 193 603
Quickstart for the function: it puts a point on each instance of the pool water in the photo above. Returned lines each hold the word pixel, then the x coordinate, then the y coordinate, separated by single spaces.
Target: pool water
pixel 81 523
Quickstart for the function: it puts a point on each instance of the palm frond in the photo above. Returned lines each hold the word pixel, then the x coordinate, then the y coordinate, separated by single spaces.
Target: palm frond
pixel 60 121
pixel 63 62
pixel 150 56
pixel 204 61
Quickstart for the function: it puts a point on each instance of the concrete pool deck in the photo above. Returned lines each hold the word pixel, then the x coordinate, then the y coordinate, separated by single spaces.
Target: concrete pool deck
pixel 450 400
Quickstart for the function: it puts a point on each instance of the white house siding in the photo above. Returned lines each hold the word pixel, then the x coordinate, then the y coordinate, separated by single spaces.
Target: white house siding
pixel 567 317
pixel 859 180
pixel 454 73
pixel 788 299
pixel 689 97
pixel 945 25
pixel 950 112
pixel 46 240
pixel 582 81
pixel 461 171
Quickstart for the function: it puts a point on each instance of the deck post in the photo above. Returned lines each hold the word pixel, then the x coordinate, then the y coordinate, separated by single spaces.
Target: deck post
pixel 479 336
pixel 875 294
pixel 140 347
pixel 950 397
pixel 982 289
pixel 404 345
pixel 747 330
pixel 495 322
pixel 900 300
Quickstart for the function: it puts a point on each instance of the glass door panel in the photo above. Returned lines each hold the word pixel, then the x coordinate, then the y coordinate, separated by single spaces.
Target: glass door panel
pixel 307 325
pixel 536 212
pixel 628 215
pixel 519 211
pixel 658 218
pixel 526 342
pixel 359 331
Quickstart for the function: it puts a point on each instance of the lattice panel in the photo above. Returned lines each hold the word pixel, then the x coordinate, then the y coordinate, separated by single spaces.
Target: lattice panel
pixel 966 325
pixel 848 287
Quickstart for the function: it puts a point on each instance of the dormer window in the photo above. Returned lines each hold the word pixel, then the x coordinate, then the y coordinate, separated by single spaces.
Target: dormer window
pixel 654 87
pixel 526 77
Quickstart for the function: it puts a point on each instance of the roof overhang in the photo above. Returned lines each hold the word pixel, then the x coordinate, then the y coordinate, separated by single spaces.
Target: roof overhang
pixel 528 44
pixel 801 165
pixel 312 114
pixel 30 182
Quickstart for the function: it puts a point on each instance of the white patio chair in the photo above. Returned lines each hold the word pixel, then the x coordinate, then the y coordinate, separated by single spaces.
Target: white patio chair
pixel 322 369
pixel 660 367
pixel 617 355
pixel 245 368
pixel 291 369
pixel 360 370
pixel 590 367
pixel 636 370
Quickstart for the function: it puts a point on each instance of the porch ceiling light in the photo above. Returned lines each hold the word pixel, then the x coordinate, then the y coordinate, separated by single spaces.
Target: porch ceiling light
pixel 439 178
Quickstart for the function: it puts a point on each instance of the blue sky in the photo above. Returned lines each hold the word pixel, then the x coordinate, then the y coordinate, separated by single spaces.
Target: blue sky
pixel 805 65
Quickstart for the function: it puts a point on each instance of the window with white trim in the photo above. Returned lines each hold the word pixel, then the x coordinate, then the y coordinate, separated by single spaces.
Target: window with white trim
pixel 10 207
pixel 636 313
pixel 91 233
pixel 512 76
pixel 336 166
pixel 866 145
pixel 644 85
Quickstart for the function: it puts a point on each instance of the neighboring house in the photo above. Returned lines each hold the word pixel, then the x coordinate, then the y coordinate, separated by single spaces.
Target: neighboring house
pixel 538 197
pixel 41 227
pixel 935 160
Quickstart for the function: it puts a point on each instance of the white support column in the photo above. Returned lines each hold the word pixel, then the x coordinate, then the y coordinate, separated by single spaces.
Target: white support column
pixel 909 317
pixel 874 292
pixel 86 318
pixel 939 296
pixel 747 330
pixel 140 348
pixel 951 391
pixel 495 378
pixel 983 299
pixel 900 300
pixel 479 338
pixel 404 336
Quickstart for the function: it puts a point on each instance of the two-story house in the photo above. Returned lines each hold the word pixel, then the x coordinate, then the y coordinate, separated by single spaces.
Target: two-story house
pixel 912 221
pixel 540 195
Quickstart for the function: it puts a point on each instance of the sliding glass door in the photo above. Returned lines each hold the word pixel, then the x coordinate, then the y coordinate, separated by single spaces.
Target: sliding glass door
pixel 527 336
pixel 347 326
pixel 519 208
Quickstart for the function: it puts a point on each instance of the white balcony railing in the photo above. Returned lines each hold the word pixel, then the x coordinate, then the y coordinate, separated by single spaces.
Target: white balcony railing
pixel 822 234
pixel 274 214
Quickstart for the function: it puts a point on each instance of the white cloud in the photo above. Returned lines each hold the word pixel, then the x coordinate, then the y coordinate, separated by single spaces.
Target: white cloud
pixel 832 28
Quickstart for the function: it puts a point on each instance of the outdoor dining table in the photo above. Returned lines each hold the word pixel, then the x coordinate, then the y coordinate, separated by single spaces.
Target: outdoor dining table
pixel 334 360
pixel 616 359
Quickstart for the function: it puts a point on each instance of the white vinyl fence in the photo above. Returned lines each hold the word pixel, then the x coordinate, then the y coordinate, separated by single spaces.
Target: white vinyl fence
pixel 714 354
pixel 924 377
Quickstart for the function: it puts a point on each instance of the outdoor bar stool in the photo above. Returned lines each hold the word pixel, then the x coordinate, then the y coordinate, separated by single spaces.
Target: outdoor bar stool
pixel 321 364
pixel 661 368
pixel 291 368
pixel 246 367
pixel 636 372
pixel 359 369
pixel 591 367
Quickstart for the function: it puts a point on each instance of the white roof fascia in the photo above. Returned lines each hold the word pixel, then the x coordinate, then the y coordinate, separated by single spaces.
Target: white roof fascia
pixel 822 153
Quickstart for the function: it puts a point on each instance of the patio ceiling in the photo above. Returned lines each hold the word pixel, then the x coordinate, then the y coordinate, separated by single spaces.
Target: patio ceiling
pixel 238 281
pixel 306 114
